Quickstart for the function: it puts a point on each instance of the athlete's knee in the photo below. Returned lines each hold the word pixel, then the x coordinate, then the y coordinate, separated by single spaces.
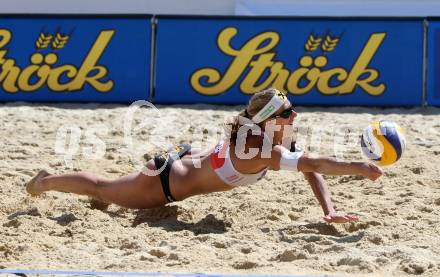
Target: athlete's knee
pixel 97 183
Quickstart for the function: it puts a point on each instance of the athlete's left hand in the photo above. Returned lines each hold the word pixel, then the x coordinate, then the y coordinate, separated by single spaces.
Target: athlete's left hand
pixel 337 217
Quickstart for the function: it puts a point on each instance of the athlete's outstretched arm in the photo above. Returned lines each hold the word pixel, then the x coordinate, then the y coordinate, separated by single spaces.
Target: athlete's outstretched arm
pixel 320 189
pixel 330 166
pixel 281 158
pixel 312 168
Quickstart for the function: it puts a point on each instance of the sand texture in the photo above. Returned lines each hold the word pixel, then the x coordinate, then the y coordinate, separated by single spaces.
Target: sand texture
pixel 273 227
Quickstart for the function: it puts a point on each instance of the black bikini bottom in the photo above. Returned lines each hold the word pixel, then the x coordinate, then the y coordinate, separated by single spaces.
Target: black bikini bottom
pixel 294 147
pixel 167 160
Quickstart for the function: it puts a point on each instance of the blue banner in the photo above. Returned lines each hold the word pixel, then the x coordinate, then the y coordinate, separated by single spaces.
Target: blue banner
pixel 433 93
pixel 318 62
pixel 81 59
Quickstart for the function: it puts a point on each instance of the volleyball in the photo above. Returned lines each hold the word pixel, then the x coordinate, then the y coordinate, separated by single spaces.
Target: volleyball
pixel 383 142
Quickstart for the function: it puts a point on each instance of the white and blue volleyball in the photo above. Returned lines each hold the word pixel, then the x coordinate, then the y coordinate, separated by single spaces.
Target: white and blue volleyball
pixel 383 142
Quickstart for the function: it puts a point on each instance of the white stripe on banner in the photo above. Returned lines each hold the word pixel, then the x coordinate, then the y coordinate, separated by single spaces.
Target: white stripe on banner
pixel 161 274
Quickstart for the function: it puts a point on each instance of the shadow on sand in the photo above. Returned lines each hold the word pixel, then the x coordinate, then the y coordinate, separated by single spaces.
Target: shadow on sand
pixel 315 231
pixel 166 218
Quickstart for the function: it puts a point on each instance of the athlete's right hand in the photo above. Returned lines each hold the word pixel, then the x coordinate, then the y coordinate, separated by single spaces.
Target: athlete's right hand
pixel 372 171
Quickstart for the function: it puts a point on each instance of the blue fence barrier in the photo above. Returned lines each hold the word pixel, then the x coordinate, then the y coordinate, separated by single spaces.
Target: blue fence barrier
pixel 85 59
pixel 433 93
pixel 319 62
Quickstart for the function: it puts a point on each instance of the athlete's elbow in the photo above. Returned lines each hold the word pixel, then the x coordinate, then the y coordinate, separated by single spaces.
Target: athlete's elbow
pixel 307 164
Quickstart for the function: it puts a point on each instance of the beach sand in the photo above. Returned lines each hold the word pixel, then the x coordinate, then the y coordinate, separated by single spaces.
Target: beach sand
pixel 272 227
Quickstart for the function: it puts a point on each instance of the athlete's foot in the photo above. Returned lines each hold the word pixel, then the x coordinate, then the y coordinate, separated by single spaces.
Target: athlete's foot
pixel 33 187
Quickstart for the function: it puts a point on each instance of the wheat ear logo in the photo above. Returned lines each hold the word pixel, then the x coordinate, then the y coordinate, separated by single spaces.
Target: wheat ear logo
pixel 329 43
pixel 60 41
pixel 312 43
pixel 57 41
pixel 43 40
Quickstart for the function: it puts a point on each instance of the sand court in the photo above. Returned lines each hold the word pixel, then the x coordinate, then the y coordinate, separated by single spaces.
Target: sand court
pixel 274 226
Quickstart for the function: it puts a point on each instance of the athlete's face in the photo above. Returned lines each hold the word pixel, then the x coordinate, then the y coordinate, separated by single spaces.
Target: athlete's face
pixel 283 120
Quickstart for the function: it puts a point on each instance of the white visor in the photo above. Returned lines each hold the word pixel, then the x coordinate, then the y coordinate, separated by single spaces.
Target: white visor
pixel 270 108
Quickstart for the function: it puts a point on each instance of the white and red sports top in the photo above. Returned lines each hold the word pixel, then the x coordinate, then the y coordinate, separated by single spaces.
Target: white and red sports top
pixel 222 165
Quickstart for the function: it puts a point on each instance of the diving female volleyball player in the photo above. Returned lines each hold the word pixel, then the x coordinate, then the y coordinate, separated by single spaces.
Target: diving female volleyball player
pixel 241 159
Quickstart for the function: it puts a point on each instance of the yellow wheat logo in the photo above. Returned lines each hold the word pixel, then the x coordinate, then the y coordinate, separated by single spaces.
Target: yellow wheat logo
pixel 60 41
pixel 329 43
pixel 43 40
pixel 312 43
